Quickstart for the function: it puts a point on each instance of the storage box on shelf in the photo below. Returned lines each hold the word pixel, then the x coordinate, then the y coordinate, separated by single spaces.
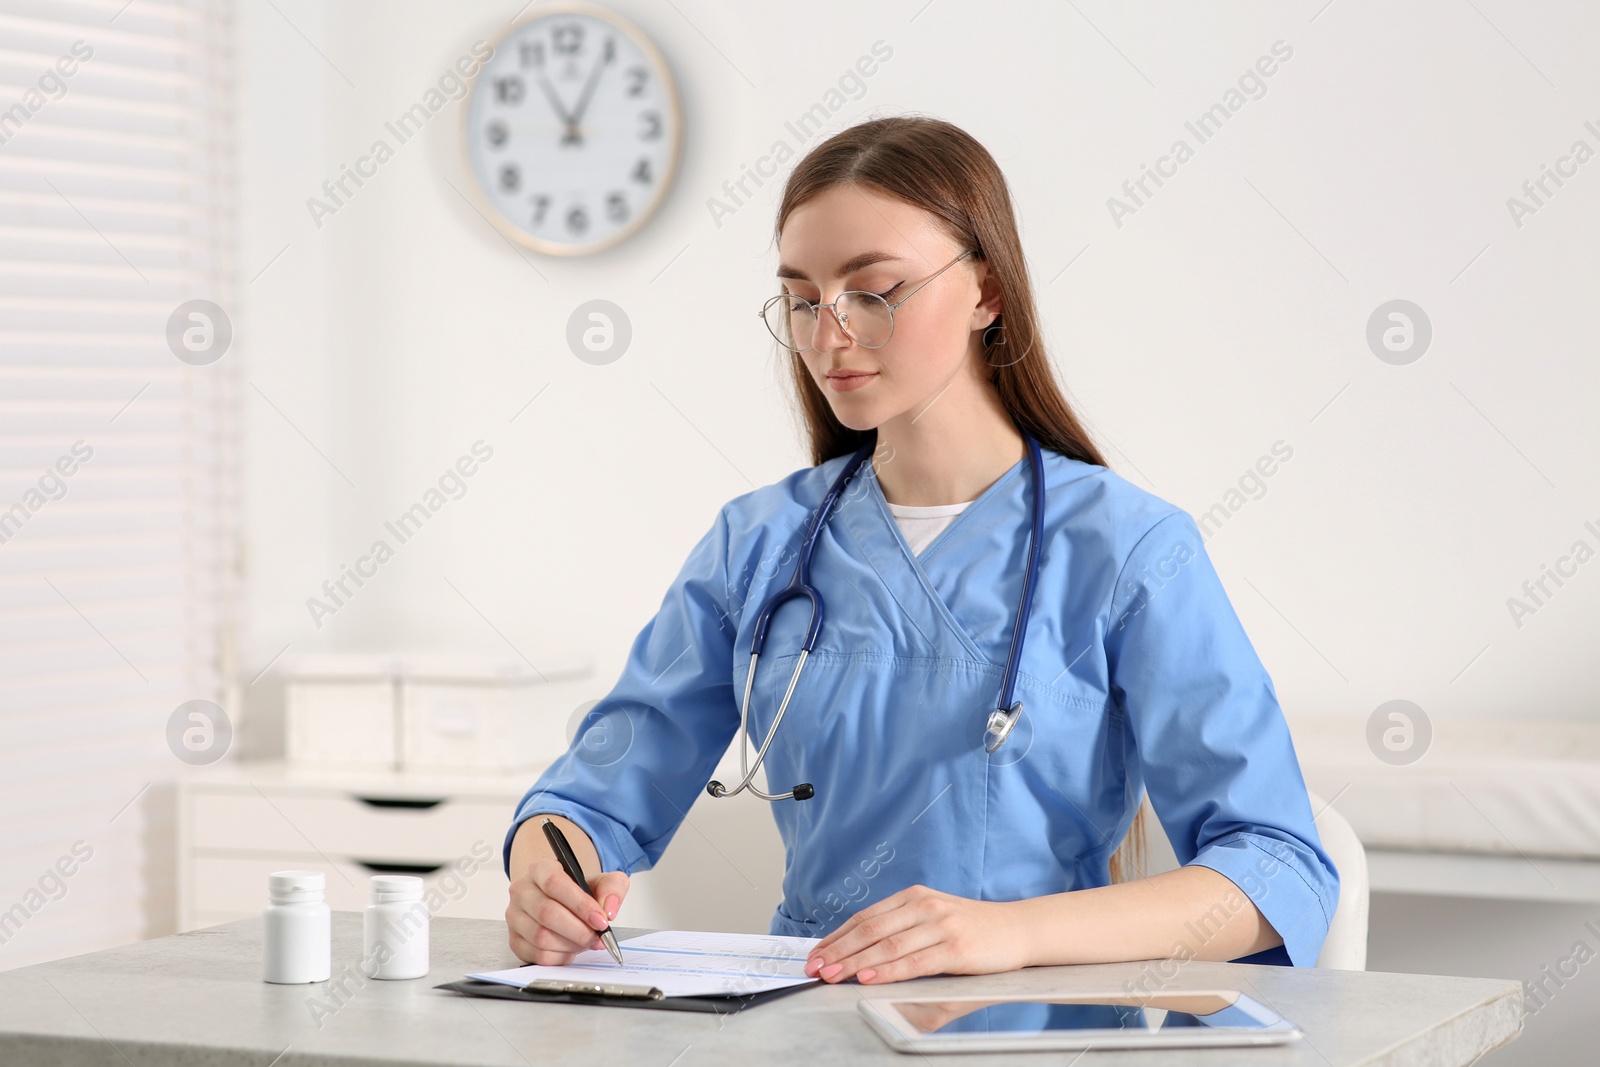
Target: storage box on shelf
pixel 340 711
pixel 431 712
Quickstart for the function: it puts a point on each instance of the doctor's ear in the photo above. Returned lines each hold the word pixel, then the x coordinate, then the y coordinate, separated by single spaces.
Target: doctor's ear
pixel 987 312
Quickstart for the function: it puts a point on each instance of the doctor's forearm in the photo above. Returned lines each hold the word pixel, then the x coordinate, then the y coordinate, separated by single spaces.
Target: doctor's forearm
pixel 530 843
pixel 1189 913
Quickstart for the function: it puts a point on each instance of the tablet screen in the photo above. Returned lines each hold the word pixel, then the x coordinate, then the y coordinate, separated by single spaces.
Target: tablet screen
pixel 1215 1011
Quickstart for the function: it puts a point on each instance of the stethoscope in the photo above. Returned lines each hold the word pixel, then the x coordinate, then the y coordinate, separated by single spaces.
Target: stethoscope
pixel 1001 720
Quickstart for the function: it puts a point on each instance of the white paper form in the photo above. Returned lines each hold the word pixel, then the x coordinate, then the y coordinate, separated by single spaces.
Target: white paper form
pixel 683 963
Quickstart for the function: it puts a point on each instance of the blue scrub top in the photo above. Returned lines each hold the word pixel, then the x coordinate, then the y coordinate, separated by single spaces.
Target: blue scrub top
pixel 1136 675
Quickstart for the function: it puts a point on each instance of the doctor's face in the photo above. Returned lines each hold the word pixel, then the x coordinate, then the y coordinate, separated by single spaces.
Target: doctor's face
pixel 852 237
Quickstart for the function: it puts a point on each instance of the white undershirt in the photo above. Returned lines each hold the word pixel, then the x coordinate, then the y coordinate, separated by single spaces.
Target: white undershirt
pixel 921 525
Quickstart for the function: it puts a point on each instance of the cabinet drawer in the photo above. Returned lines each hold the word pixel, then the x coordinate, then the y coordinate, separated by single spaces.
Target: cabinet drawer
pixel 344 827
pixel 235 886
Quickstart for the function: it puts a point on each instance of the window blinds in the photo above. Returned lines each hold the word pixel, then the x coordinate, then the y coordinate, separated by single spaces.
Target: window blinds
pixel 118 460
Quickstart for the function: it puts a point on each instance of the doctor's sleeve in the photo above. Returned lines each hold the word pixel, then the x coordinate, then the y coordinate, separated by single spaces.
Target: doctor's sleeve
pixel 1214 749
pixel 646 750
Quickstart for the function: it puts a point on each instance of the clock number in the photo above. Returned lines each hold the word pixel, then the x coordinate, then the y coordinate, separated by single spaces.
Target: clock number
pixel 617 207
pixel 532 53
pixel 568 39
pixel 641 173
pixel 611 50
pixel 510 178
pixel 577 219
pixel 540 202
pixel 637 76
pixel 508 90
pixel 497 134
pixel 652 122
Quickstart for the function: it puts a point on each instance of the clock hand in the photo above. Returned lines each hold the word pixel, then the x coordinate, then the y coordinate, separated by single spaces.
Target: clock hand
pixel 555 100
pixel 569 132
pixel 594 79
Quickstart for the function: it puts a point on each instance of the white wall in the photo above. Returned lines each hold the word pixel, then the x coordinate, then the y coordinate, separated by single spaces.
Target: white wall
pixel 1226 314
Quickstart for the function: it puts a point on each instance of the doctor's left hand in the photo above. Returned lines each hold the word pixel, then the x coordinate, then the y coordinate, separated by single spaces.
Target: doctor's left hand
pixel 920 931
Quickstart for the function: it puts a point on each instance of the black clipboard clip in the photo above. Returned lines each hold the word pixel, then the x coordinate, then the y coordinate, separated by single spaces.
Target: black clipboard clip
pixel 597 989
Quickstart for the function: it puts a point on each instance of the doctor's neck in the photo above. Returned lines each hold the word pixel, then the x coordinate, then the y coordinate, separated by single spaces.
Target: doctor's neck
pixel 949 448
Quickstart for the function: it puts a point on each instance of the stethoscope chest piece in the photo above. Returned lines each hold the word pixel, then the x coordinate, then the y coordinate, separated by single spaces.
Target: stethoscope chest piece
pixel 1001 722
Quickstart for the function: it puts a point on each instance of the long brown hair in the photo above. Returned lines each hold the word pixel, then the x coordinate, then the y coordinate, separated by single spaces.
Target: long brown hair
pixel 939 167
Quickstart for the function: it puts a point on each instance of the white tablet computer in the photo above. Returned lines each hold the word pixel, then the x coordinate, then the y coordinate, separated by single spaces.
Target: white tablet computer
pixel 1075 1021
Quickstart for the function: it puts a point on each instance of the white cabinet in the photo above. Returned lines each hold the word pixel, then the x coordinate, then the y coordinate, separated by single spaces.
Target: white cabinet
pixel 239 823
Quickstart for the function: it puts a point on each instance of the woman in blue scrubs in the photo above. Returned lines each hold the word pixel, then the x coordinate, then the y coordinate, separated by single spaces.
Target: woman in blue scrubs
pixel 921 852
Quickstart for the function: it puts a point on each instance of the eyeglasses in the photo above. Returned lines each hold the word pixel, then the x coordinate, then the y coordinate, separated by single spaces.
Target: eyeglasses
pixel 866 318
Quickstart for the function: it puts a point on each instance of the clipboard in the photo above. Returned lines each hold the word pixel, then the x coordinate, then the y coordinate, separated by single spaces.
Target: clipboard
pixel 724 1004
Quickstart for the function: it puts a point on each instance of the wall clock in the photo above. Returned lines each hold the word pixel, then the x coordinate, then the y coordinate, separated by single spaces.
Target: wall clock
pixel 573 129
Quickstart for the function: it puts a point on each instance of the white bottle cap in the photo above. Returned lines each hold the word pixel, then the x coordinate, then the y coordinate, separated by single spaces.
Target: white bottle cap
pixel 387 888
pixel 296 887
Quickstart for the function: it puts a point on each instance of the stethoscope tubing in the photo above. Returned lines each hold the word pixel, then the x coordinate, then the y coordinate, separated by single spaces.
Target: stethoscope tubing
pixel 799 585
pixel 1001 721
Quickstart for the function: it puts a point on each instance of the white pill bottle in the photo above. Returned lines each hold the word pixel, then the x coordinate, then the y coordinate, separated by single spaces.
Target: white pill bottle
pixel 394 929
pixel 296 932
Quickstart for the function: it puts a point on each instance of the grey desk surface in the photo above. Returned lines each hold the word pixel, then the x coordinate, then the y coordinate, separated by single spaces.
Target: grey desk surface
pixel 197 999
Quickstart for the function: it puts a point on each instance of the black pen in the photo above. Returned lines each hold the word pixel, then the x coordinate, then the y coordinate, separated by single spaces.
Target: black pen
pixel 569 863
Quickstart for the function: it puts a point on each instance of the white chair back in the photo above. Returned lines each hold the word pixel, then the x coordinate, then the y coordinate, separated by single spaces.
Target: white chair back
pixel 1346 946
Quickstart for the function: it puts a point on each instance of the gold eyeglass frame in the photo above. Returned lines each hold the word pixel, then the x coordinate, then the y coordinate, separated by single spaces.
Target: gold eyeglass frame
pixel 816 309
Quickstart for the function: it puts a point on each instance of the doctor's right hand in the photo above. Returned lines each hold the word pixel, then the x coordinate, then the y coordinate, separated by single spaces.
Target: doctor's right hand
pixel 550 919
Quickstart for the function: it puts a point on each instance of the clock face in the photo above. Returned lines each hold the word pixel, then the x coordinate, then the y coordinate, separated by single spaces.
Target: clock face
pixel 573 129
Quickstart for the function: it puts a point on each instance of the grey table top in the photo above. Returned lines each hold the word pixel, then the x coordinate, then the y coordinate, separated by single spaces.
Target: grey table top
pixel 198 999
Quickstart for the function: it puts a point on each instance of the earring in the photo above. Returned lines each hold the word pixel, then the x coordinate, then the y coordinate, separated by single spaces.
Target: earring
pixel 991 343
pixel 995 327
